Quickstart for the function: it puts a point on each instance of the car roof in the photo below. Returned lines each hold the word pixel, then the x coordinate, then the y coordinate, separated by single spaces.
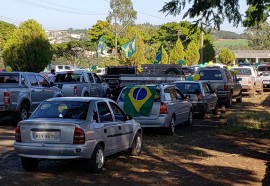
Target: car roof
pixel 195 82
pixel 77 99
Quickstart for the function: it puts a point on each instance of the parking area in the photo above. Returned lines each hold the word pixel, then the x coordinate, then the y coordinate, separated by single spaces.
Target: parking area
pixel 198 155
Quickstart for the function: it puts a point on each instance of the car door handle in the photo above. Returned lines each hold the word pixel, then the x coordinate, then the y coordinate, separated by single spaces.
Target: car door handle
pixel 105 130
pixel 119 127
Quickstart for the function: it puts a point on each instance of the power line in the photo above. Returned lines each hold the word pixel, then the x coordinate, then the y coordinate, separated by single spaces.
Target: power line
pixel 55 9
pixel 10 20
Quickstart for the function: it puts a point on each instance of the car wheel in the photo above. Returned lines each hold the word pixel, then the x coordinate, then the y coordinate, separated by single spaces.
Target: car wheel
pixel 189 122
pixel 29 164
pixel 136 147
pixel 215 111
pixel 23 113
pixel 202 114
pixel 239 99
pixel 229 102
pixel 171 128
pixel 97 159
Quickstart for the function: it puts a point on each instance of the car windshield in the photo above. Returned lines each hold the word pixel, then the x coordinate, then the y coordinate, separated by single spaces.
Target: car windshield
pixel 264 68
pixel 69 77
pixel 210 75
pixel 62 109
pixel 188 88
pixel 243 71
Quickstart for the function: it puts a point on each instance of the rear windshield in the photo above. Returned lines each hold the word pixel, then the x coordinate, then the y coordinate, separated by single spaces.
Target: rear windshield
pixel 69 77
pixel 243 71
pixel 188 70
pixel 62 109
pixel 210 75
pixel 123 94
pixel 188 88
pixel 9 78
pixel 264 68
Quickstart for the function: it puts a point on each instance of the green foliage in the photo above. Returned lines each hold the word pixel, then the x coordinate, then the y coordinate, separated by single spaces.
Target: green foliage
pixel 164 58
pixel 226 56
pixel 28 49
pixel 99 29
pixel 233 44
pixel 257 13
pixel 177 52
pixel 221 34
pixel 258 36
pixel 209 53
pixel 6 31
pixel 192 56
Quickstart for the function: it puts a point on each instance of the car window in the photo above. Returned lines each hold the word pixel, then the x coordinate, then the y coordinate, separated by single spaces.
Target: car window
pixel 118 112
pixel 229 76
pixel 205 88
pixel 8 78
pixel 96 78
pixel 104 112
pixel 263 68
pixel 62 109
pixel 42 81
pixel 188 88
pixel 179 94
pixel 243 71
pixel 68 77
pixel 33 80
pixel 170 94
pixel 210 75
pixel 90 78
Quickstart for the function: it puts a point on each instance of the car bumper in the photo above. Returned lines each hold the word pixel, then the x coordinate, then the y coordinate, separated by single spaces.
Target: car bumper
pixel 162 121
pixel 54 151
pixel 198 107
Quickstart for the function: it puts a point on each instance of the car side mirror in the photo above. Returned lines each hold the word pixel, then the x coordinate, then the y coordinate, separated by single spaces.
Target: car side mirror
pixel 129 117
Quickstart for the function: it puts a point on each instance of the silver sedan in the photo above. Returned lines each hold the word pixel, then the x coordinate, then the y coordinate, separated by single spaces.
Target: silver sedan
pixel 80 127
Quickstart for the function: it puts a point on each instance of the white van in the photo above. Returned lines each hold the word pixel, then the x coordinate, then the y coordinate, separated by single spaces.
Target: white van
pixel 60 68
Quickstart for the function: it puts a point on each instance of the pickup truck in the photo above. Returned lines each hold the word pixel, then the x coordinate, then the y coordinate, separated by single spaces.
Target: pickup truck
pixel 22 92
pixel 223 82
pixel 264 71
pixel 251 80
pixel 81 84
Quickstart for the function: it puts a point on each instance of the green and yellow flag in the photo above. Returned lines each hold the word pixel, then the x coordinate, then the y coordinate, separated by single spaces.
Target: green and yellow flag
pixel 130 47
pixel 139 100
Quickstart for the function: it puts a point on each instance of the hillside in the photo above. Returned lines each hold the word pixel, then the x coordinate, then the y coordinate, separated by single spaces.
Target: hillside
pixel 221 34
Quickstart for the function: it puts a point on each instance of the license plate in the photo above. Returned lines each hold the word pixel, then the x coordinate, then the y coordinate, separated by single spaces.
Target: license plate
pixel 45 135
pixel 266 82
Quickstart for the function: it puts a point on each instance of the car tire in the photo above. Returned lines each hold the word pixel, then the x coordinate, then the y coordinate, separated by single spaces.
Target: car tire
pixel 202 114
pixel 171 128
pixel 240 98
pixel 23 113
pixel 136 147
pixel 189 122
pixel 228 103
pixel 173 71
pixel 29 164
pixel 97 159
pixel 215 111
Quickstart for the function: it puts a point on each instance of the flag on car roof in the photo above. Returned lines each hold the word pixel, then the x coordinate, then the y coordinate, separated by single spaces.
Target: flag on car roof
pixel 139 100
pixel 130 47
pixel 158 55
pixel 101 46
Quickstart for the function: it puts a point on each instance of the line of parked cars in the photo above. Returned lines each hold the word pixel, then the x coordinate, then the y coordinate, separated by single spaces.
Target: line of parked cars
pixel 91 128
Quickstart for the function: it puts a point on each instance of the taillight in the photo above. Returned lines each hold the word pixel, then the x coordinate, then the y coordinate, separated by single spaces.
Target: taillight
pixel 163 108
pixel 79 136
pixel 226 87
pixel 75 90
pixel 6 98
pixel 199 96
pixel 18 134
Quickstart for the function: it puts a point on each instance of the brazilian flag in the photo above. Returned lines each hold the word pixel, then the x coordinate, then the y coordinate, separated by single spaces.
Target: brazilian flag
pixel 139 100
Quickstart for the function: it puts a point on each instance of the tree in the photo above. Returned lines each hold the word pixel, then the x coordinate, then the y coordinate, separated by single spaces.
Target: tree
pixel 192 56
pixel 28 48
pixel 214 12
pixel 177 52
pixel 6 30
pixel 122 14
pixel 226 56
pixel 258 36
pixel 99 29
pixel 209 53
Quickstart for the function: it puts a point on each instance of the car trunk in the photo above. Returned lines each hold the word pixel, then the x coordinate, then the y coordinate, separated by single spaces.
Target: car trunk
pixel 216 85
pixel 49 131
pixel 244 81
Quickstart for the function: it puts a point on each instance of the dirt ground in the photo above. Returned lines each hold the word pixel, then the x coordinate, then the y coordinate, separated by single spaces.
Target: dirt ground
pixel 198 155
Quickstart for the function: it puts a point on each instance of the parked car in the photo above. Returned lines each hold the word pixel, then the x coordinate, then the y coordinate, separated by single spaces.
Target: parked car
pixel 85 128
pixel 251 80
pixel 264 71
pixel 224 82
pixel 202 97
pixel 169 107
pixel 80 83
pixel 22 92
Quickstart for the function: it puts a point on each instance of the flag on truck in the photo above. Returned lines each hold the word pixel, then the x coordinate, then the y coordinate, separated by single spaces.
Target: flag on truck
pixel 101 45
pixel 139 100
pixel 158 55
pixel 130 47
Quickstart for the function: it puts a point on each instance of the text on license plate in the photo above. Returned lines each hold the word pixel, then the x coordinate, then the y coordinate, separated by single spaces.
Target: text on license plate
pixel 45 135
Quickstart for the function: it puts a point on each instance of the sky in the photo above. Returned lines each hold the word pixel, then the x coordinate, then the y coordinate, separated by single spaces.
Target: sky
pixel 80 14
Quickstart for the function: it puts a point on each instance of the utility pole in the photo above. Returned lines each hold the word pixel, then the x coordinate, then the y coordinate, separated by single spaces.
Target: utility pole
pixel 115 41
pixel 202 37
